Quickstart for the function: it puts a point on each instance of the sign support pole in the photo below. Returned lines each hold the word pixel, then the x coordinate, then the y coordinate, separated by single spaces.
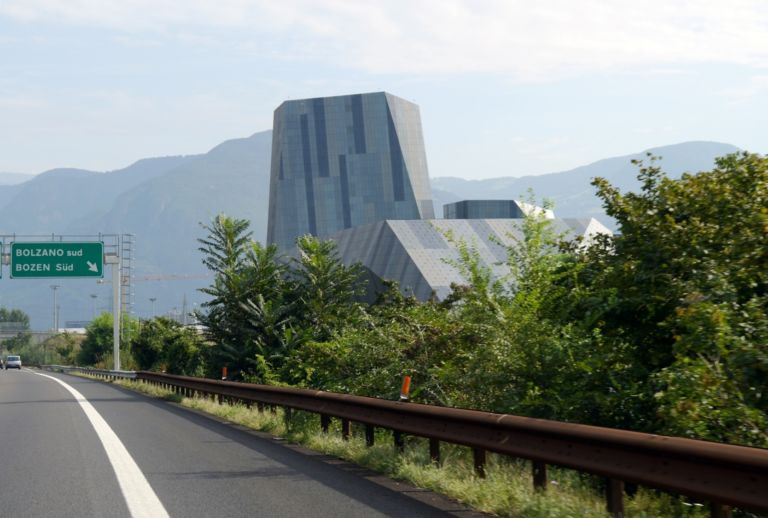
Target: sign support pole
pixel 114 261
pixel 116 315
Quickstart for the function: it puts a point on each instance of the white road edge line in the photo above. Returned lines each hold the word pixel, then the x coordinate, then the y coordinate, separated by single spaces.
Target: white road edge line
pixel 141 499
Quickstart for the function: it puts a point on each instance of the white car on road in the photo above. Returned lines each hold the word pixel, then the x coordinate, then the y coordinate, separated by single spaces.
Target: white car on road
pixel 13 362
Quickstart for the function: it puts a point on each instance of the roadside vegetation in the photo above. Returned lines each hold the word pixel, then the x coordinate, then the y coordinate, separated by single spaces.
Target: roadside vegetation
pixel 506 489
pixel 661 328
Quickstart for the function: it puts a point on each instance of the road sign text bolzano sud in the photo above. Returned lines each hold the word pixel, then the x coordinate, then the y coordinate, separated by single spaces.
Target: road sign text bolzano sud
pixel 57 259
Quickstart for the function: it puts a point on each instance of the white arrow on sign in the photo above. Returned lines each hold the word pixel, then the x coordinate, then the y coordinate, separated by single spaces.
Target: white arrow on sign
pixel 92 266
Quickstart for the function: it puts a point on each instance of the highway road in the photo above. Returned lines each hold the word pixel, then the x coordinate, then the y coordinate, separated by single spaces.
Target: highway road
pixel 76 447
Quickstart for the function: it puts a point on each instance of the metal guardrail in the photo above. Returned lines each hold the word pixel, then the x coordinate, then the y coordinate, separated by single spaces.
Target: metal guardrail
pixel 724 475
pixel 102 373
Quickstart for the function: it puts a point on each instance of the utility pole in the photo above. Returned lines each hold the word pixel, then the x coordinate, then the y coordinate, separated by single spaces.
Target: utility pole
pixel 55 287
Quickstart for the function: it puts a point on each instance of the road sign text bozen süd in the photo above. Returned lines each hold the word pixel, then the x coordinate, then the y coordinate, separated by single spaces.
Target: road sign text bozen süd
pixel 57 259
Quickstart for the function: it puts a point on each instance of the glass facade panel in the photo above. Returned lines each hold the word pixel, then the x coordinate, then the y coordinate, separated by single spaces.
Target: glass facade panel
pixel 338 162
pixel 309 185
pixel 482 209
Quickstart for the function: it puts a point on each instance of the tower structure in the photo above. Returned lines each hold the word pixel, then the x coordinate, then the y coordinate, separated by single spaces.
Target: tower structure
pixel 340 162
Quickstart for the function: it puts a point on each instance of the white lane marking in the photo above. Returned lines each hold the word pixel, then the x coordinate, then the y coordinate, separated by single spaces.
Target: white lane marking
pixel 141 499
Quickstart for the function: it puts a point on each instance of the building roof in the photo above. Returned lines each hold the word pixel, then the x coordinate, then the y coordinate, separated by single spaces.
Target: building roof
pixel 421 254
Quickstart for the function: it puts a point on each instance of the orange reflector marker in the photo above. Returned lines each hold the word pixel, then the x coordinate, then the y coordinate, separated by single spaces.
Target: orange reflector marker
pixel 223 373
pixel 406 389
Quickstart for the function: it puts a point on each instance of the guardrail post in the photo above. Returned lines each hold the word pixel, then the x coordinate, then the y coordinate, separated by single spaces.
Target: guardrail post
pixel 325 422
pixel 397 436
pixel 479 457
pixel 434 450
pixel 539 476
pixel 287 415
pixel 720 511
pixel 346 429
pixel 614 492
pixel 370 435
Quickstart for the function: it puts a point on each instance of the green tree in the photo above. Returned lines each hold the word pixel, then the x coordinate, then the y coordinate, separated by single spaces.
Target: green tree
pixel 98 340
pixel 62 348
pixel 98 346
pixel 224 250
pixel 682 291
pixel 164 344
pixel 148 345
pixel 183 353
pixel 271 312
pixel 324 300
pixel 397 336
pixel 515 353
pixel 328 290
pixel 15 321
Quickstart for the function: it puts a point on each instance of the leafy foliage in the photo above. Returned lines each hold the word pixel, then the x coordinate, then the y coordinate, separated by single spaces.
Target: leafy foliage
pixel 265 307
pixel 15 320
pixel 661 327
pixel 98 343
pixel 62 348
pixel 684 289
pixel 165 345
pixel 224 250
pixel 98 340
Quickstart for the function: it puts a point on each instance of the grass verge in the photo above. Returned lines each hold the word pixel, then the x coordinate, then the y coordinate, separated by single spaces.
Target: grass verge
pixel 507 490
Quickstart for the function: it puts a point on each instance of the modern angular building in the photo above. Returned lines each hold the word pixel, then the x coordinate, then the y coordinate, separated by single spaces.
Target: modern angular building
pixel 420 254
pixel 353 169
pixel 484 209
pixel 341 162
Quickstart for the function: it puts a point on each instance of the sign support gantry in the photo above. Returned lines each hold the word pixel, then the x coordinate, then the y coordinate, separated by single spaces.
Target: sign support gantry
pixel 32 257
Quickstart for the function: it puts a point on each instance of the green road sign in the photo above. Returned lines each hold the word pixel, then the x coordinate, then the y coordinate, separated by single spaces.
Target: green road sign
pixel 57 259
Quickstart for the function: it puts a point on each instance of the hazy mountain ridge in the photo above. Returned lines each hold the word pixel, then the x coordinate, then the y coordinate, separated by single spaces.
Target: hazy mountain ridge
pixel 14 178
pixel 232 178
pixel 571 191
pixel 70 200
pixel 162 201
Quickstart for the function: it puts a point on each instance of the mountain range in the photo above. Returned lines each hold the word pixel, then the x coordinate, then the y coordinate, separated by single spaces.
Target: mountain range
pixel 163 201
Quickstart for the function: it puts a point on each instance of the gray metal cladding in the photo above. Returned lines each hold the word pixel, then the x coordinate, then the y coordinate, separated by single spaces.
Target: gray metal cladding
pixel 421 255
pixel 353 168
pixel 341 162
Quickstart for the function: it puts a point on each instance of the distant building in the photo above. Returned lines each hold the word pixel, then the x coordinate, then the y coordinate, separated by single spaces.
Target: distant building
pixel 490 209
pixel 420 254
pixel 76 324
pixel 340 162
pixel 353 169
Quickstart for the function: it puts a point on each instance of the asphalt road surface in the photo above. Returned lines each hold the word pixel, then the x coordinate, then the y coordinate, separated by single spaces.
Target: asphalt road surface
pixel 84 448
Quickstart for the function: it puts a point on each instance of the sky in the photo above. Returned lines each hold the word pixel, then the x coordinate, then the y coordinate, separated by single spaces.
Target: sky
pixel 505 87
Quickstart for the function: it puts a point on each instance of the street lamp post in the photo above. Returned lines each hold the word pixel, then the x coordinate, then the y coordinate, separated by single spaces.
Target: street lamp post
pixel 93 298
pixel 152 300
pixel 55 287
